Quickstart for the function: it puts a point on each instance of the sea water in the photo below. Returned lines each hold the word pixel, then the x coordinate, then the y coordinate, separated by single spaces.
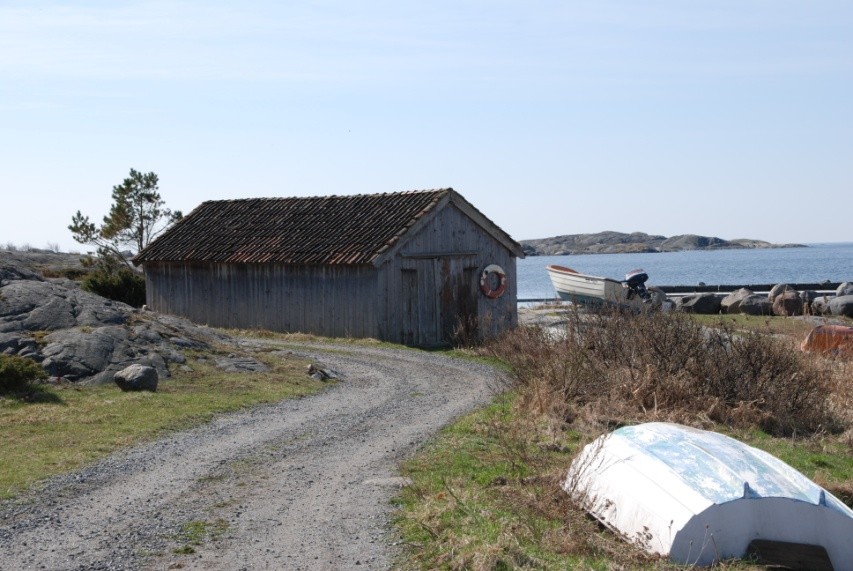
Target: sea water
pixel 815 263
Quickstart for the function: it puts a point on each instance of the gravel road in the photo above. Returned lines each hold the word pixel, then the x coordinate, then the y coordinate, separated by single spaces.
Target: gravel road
pixel 303 484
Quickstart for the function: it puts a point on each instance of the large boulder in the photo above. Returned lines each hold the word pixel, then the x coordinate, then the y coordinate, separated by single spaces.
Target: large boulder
pixel 778 290
pixel 788 303
pixel 756 304
pixel 137 378
pixel 731 303
pixel 842 305
pixel 845 288
pixel 702 303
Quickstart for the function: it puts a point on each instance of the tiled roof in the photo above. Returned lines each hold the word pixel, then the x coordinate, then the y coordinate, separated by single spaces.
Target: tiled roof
pixel 306 231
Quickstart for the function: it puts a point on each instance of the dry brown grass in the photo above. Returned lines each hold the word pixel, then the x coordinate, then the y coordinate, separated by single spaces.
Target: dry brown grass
pixel 614 368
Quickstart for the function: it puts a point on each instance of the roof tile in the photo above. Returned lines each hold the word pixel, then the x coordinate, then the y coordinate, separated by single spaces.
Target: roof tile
pixel 346 230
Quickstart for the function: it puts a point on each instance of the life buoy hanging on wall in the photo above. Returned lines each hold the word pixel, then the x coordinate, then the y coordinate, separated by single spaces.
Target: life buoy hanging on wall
pixel 486 281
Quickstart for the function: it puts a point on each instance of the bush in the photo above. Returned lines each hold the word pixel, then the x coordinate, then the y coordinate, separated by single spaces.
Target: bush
pixel 124 285
pixel 116 283
pixel 666 366
pixel 17 373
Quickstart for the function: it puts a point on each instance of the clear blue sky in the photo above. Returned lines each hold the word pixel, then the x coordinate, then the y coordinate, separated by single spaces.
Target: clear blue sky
pixel 722 118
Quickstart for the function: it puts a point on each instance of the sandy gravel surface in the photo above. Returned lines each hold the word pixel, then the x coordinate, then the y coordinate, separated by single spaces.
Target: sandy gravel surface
pixel 304 484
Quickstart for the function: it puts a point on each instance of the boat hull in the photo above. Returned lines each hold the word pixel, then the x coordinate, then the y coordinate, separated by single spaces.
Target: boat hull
pixel 588 290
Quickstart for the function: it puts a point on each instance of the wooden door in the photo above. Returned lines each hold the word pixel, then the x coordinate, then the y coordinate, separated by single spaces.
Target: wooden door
pixel 439 293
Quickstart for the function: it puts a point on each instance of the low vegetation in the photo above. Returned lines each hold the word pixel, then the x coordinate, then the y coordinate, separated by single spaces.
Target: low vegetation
pixel 18 375
pixel 60 428
pixel 487 494
pixel 112 280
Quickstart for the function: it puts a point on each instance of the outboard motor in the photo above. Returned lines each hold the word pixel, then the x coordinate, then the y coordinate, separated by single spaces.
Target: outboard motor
pixel 635 281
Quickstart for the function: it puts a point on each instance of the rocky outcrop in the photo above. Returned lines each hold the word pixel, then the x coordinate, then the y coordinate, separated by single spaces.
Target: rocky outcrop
pixel 844 288
pixel 39 305
pixel 81 337
pixel 610 242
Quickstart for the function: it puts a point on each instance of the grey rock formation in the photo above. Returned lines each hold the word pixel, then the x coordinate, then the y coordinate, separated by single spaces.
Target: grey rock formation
pixel 841 305
pixel 37 305
pixel 81 337
pixel 731 303
pixel 844 288
pixel 702 303
pixel 137 378
pixel 756 304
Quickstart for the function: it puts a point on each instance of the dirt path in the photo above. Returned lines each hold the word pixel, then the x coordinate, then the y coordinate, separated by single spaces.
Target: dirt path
pixel 304 484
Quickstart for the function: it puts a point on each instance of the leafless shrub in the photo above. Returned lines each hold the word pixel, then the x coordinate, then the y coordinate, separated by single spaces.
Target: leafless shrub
pixel 466 332
pixel 660 366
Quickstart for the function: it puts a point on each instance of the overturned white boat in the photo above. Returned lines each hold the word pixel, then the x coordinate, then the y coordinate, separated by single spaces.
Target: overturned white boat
pixel 699 497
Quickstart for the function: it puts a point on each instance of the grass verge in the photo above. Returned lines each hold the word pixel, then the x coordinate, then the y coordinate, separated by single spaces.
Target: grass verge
pixel 69 426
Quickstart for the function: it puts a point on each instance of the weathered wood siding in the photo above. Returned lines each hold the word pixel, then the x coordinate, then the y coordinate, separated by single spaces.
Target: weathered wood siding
pixel 419 296
pixel 337 301
pixel 434 281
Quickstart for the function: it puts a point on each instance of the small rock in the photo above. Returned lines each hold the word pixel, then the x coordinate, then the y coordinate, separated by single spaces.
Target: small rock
pixel 322 374
pixel 235 364
pixel 137 378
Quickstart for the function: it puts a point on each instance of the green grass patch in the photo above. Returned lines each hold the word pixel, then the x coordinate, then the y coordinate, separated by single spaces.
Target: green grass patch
pixel 195 533
pixel 68 426
pixel 476 496
pixel 791 326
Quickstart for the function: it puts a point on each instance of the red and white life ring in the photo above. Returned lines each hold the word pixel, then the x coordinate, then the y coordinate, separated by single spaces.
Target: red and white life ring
pixel 486 281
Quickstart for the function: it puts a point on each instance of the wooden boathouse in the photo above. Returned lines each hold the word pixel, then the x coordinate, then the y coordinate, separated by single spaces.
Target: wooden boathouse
pixel 413 267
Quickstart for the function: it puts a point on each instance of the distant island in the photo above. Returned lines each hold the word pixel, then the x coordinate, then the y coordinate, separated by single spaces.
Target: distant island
pixel 636 242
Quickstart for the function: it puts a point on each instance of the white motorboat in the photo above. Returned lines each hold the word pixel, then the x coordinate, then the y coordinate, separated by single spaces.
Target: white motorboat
pixel 596 290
